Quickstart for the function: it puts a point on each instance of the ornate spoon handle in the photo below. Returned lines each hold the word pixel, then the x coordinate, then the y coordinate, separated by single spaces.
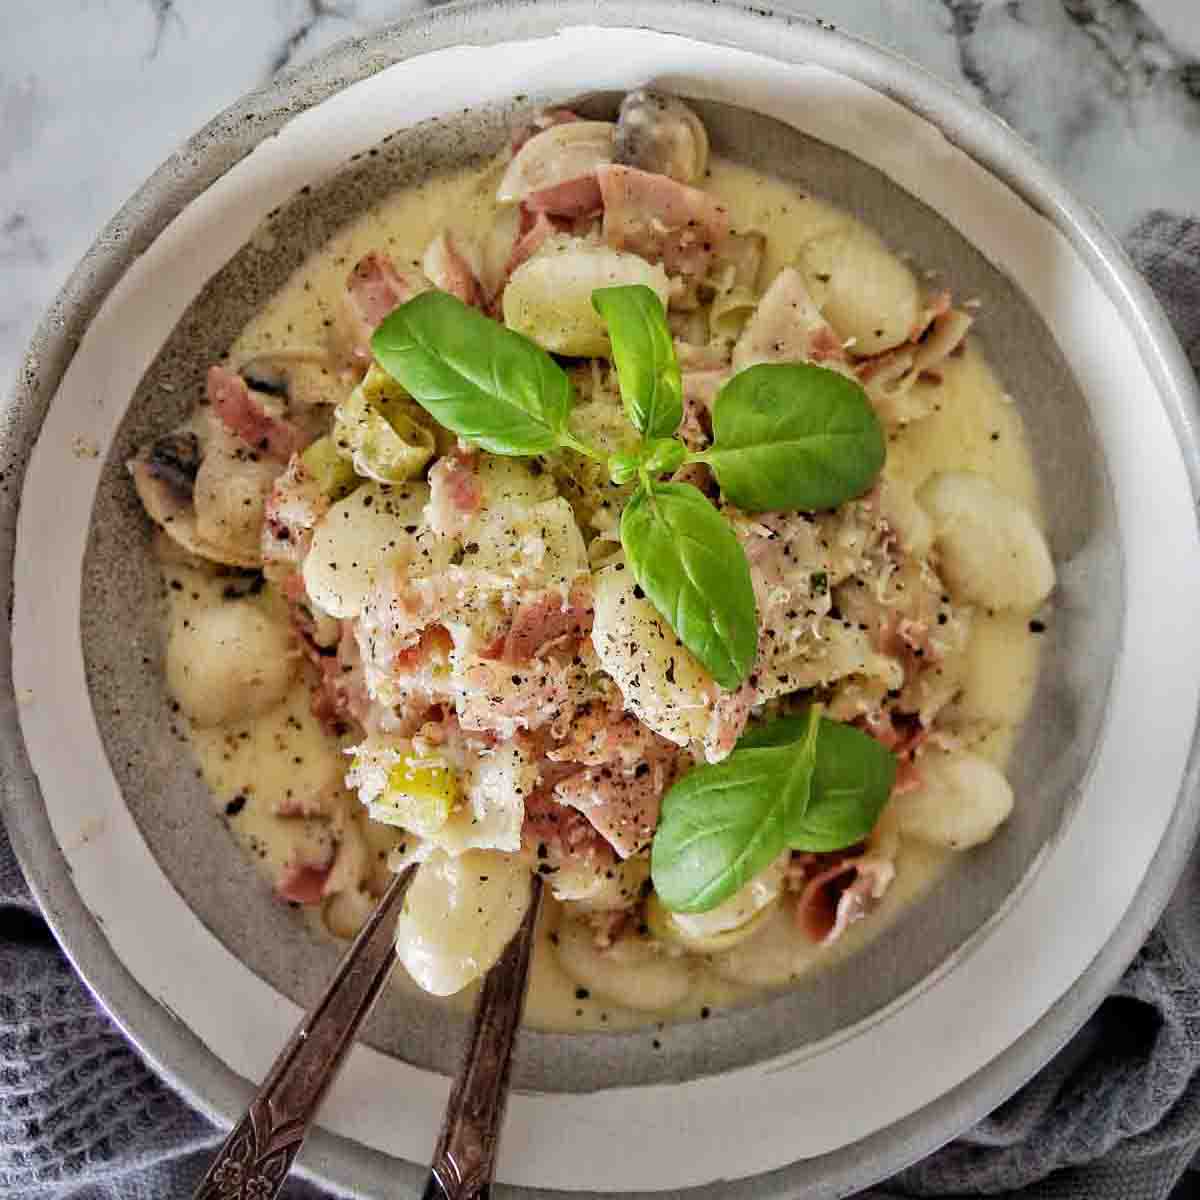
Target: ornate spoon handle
pixel 257 1154
pixel 465 1159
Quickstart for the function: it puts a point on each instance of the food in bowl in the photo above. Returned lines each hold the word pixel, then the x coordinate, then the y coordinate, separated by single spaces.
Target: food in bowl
pixel 615 512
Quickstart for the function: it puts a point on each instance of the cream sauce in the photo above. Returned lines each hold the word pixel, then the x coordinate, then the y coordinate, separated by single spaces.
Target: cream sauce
pixel 251 766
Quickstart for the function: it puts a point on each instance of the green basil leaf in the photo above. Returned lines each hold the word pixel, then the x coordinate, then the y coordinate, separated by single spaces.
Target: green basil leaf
pixel 484 382
pixel 852 781
pixel 664 455
pixel 793 435
pixel 782 731
pixel 644 354
pixel 691 566
pixel 723 824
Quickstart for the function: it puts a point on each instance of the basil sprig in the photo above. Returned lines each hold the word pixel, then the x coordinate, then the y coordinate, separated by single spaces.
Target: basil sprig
pixel 785 436
pixel 800 783
pixel 644 355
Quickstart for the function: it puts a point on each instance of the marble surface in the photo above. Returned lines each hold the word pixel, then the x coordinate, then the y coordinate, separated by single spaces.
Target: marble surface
pixel 94 94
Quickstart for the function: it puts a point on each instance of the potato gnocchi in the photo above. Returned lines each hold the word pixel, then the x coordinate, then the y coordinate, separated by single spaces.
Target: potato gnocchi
pixel 390 647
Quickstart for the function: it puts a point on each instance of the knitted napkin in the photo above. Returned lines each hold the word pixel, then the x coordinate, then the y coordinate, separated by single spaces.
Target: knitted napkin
pixel 1116 1116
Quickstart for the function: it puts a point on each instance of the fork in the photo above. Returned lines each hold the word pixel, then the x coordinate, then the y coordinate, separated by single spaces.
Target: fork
pixel 255 1158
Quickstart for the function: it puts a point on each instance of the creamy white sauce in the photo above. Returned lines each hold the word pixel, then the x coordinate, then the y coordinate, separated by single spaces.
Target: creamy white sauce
pixel 251 766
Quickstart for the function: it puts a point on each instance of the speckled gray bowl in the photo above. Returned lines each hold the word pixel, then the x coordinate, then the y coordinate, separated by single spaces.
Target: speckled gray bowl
pixel 1060 747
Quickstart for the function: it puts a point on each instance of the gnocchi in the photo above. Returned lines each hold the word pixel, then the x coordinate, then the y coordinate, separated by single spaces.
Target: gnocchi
pixel 991 550
pixel 459 914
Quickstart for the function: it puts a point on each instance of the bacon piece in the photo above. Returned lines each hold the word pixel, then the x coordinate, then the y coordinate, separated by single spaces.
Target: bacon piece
pixel 375 288
pixel 455 494
pixel 447 270
pixel 837 897
pixel 573 198
pixel 244 416
pixel 541 621
pixel 661 219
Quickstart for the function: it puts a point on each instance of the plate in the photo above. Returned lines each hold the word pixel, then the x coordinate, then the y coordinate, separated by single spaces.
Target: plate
pixel 976 986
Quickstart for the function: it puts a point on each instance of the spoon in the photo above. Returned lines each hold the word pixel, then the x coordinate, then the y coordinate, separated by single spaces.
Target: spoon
pixel 255 1158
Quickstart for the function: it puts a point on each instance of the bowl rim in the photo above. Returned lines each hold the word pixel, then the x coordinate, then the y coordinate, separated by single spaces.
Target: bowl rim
pixel 174 1051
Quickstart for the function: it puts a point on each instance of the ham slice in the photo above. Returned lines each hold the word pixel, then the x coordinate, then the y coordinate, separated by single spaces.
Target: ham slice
pixel 543 620
pixel 450 272
pixel 455 494
pixel 242 414
pixel 661 219
pixel 621 804
pixel 554 832
pixel 574 198
pixel 375 288
pixel 839 896
pixel 303 883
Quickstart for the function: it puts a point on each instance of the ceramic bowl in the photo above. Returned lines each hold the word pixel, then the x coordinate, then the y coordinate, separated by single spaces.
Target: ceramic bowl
pixel 854 1072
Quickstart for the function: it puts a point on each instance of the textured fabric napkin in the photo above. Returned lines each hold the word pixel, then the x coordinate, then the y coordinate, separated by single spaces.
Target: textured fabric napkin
pixel 1116 1116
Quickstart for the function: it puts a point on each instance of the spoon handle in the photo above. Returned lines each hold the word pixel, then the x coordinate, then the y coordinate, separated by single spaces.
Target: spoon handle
pixel 465 1159
pixel 257 1154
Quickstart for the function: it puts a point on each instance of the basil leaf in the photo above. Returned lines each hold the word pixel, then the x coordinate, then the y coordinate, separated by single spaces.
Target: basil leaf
pixel 644 354
pixel 782 731
pixel 723 824
pixel 793 435
pixel 484 382
pixel 691 566
pixel 852 780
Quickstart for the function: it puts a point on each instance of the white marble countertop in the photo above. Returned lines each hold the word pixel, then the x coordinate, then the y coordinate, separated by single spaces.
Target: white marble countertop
pixel 94 94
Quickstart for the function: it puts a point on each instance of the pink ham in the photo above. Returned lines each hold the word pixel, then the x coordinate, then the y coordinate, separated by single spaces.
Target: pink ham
pixel 303 883
pixel 340 695
pixel 375 288
pixel 455 493
pixel 243 415
pixel 604 735
pixel 573 198
pixel 448 271
pixel 621 803
pixel 542 621
pixel 844 893
pixel 661 219
pixel 296 503
pixel 554 833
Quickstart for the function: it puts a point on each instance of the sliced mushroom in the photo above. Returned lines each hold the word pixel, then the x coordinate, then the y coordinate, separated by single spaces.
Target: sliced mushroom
pixel 303 375
pixel 659 133
pixel 170 472
pixel 165 473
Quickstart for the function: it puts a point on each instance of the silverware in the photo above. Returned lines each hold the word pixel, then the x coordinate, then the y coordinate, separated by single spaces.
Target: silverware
pixel 465 1159
pixel 255 1158
pixel 257 1155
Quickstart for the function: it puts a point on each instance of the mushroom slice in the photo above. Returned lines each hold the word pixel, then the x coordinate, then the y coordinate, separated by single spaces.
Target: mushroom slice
pixel 660 133
pixel 303 375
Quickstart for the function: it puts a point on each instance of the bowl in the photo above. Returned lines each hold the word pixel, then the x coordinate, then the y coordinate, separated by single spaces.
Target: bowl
pixel 850 1075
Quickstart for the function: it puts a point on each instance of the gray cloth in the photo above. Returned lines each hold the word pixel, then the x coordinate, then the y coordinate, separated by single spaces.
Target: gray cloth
pixel 1115 1117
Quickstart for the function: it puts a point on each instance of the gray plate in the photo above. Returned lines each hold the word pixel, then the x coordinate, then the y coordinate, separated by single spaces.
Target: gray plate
pixel 150 764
